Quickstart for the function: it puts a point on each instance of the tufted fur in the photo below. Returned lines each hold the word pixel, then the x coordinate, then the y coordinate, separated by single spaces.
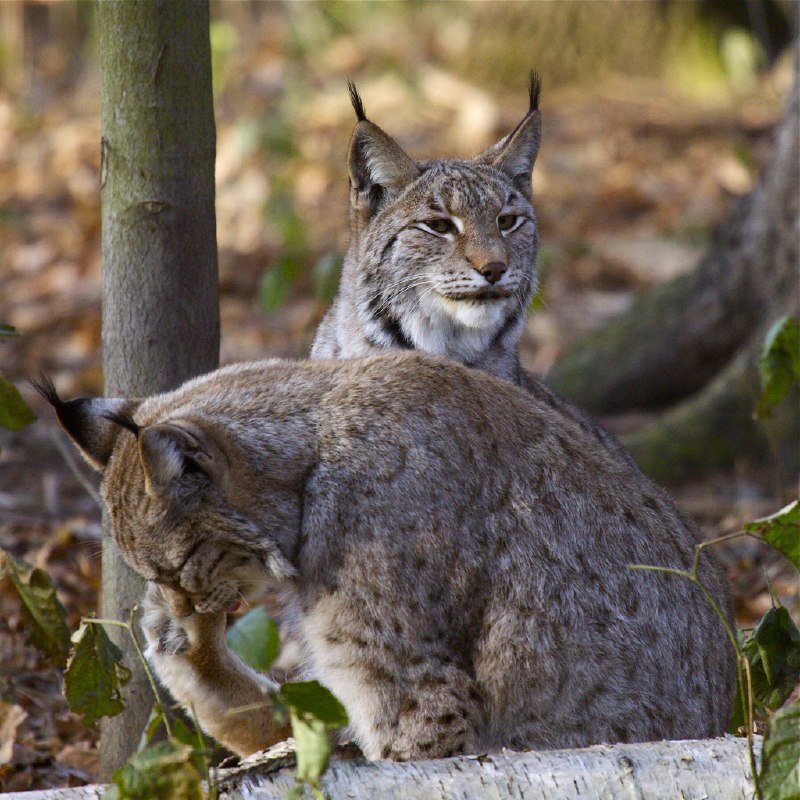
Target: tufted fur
pixel 454 552
pixel 405 286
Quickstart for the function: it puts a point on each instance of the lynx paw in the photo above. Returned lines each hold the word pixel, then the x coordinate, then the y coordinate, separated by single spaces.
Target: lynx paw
pixel 165 633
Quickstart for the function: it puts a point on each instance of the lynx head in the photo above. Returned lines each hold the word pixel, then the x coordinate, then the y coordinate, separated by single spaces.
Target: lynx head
pixel 166 486
pixel 443 251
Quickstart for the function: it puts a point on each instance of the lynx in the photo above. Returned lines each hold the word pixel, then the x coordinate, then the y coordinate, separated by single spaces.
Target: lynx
pixel 442 256
pixel 455 552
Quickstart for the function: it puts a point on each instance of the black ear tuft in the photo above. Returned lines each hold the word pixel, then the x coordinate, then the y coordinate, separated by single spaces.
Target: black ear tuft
pixel 45 387
pixel 534 90
pixel 91 422
pixel 123 420
pixel 355 99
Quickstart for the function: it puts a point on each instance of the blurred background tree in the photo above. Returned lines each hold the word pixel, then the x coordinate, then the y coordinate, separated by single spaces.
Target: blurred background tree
pixel 694 342
pixel 659 119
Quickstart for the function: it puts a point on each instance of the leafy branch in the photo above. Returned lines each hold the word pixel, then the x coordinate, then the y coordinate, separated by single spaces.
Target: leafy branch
pixel 744 685
pixel 768 665
pixel 311 709
pixel 94 676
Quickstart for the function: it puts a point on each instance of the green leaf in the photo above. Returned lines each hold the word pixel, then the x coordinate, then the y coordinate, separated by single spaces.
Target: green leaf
pixel 7 332
pixel 94 675
pixel 42 613
pixel 313 711
pixel 780 760
pixel 310 699
pixel 187 733
pixel 779 364
pixel 162 771
pixel 312 747
pixel 14 413
pixel 773 651
pixel 782 531
pixel 154 723
pixel 254 638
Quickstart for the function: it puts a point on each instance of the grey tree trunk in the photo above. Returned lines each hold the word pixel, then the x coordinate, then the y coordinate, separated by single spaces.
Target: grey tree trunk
pixel 695 341
pixel 160 283
pixel 714 768
pixel 678 336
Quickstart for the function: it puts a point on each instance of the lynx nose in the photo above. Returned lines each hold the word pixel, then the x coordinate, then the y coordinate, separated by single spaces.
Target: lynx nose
pixel 493 271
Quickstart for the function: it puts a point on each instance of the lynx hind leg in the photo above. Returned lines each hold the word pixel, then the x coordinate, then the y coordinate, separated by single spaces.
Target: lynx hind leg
pixel 439 716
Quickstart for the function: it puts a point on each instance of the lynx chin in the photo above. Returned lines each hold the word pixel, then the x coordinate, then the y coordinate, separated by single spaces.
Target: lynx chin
pixel 442 256
pixel 453 553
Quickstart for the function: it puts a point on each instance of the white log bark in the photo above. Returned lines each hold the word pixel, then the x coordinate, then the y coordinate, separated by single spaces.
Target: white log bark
pixel 715 769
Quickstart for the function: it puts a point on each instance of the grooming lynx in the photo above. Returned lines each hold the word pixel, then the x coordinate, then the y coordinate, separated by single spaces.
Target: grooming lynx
pixel 454 552
pixel 442 257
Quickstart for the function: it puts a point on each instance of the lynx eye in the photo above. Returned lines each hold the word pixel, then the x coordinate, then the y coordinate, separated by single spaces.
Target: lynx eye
pixel 440 226
pixel 507 222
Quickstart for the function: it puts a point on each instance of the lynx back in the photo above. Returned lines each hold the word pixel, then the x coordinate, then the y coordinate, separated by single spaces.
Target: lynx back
pixel 456 554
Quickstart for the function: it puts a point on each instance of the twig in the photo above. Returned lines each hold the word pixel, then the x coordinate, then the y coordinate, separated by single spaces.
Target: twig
pixel 741 659
pixel 211 780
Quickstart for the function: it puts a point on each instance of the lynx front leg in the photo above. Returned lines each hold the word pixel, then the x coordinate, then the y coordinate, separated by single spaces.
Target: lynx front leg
pixel 438 714
pixel 439 718
pixel 192 660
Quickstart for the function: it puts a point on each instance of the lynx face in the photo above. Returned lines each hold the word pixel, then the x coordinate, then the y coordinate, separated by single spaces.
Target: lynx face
pixel 442 257
pixel 174 523
pixel 453 259
pixel 175 504
pixel 442 254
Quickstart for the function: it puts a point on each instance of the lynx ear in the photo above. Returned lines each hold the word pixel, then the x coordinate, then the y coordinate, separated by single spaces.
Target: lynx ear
pixel 516 153
pixel 174 455
pixel 89 421
pixel 378 166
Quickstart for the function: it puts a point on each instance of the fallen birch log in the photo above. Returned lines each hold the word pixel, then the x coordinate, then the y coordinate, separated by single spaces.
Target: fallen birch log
pixel 713 769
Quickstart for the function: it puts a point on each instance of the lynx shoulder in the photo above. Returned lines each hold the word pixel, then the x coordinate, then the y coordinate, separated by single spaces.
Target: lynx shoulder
pixel 456 554
pixel 442 256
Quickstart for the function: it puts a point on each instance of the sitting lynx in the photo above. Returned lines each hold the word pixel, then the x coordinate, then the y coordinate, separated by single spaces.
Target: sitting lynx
pixel 442 257
pixel 455 552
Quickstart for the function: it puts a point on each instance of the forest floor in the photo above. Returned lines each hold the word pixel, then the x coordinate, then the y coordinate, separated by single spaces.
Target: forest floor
pixel 629 185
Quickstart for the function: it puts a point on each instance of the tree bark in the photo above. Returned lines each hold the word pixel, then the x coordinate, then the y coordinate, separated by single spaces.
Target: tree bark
pixel 715 768
pixel 160 284
pixel 716 428
pixel 676 337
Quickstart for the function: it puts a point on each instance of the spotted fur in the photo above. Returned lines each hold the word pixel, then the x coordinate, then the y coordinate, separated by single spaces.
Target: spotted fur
pixel 453 552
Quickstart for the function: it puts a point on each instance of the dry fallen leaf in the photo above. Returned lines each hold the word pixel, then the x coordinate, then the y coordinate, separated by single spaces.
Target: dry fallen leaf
pixel 83 755
pixel 11 716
